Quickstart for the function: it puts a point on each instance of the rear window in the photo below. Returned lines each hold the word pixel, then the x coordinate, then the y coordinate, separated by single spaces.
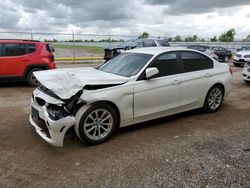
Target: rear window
pixel 48 48
pixel 149 43
pixel 193 61
pixel 163 42
pixel 31 48
pixel 15 49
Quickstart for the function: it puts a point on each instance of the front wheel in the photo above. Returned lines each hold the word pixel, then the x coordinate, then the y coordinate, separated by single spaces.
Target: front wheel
pixel 214 99
pixel 96 124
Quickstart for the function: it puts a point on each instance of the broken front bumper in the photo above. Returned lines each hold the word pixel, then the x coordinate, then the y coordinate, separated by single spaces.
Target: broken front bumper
pixel 52 131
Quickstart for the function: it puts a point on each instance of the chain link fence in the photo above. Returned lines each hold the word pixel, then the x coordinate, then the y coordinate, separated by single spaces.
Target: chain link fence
pixel 75 45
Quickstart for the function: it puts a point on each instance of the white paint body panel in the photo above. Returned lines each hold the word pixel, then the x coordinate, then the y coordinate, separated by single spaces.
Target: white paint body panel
pixel 68 81
pixel 143 100
pixel 246 73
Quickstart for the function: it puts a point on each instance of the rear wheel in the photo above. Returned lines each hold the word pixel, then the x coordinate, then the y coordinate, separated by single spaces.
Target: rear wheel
pixel 31 79
pixel 214 99
pixel 96 124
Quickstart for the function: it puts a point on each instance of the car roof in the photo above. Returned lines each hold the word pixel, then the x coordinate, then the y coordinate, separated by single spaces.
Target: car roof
pixel 158 50
pixel 19 41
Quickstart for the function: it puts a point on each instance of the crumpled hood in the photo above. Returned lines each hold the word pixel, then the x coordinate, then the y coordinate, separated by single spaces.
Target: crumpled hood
pixel 68 81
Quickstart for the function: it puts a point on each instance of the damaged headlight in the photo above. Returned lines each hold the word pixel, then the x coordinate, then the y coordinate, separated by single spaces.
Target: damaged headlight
pixel 57 112
pixel 74 103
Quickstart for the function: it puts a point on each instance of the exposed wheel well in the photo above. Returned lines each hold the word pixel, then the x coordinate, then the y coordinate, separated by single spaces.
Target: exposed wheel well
pixel 117 111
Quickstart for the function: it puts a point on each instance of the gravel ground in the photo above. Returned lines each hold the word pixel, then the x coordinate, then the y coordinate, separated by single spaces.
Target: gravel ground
pixel 192 149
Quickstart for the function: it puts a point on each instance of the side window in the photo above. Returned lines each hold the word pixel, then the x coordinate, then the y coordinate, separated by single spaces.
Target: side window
pixel 14 49
pixel 193 61
pixel 149 43
pixel 1 50
pixel 166 64
pixel 31 48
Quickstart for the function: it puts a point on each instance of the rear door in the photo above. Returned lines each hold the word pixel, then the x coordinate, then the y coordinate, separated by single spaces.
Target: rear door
pixel 1 64
pixel 196 77
pixel 14 59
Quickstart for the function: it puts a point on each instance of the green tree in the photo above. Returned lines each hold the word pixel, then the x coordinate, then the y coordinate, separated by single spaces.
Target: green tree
pixel 188 39
pixel 169 39
pixel 202 40
pixel 177 38
pixel 247 38
pixel 144 35
pixel 195 38
pixel 228 36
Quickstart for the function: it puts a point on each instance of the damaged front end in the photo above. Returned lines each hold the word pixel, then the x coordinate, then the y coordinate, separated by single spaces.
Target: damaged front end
pixel 52 116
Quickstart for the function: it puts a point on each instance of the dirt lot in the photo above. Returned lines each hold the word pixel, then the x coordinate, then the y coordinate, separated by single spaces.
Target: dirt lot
pixel 192 149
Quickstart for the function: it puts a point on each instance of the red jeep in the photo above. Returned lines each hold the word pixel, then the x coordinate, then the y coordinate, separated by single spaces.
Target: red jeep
pixel 20 58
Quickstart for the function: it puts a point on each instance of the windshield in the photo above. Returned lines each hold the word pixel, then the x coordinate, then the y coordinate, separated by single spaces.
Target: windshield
pixel 126 64
pixel 247 48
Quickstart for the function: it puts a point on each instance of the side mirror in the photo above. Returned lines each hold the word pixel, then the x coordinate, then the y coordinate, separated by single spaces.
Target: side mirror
pixel 150 72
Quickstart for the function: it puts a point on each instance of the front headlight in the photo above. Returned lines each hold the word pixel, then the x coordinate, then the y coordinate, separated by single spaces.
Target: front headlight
pixel 246 56
pixel 237 55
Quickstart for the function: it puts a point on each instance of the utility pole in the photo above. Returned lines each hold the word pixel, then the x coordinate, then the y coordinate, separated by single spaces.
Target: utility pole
pixel 74 50
pixel 31 34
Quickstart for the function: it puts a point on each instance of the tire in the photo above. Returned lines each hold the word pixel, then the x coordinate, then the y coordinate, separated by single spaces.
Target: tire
pixel 96 123
pixel 31 79
pixel 237 65
pixel 214 99
pixel 248 82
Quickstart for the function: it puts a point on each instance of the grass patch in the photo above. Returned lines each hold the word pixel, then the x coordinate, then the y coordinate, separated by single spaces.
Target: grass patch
pixel 91 49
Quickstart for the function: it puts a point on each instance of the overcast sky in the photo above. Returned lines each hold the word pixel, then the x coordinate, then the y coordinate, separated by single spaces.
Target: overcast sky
pixel 127 17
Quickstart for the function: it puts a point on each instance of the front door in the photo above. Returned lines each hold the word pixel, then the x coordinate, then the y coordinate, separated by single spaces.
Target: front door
pixel 160 93
pixel 13 59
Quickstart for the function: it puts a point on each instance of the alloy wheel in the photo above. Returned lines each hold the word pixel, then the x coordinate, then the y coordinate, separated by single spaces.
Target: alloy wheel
pixel 215 98
pixel 98 124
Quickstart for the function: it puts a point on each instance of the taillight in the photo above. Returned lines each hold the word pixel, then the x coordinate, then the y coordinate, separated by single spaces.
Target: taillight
pixel 51 57
pixel 231 70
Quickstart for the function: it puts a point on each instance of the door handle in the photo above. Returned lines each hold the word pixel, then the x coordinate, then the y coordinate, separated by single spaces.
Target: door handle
pixel 208 75
pixel 176 82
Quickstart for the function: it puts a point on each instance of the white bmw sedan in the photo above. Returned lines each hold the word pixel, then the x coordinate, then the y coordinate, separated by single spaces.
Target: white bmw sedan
pixel 135 86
